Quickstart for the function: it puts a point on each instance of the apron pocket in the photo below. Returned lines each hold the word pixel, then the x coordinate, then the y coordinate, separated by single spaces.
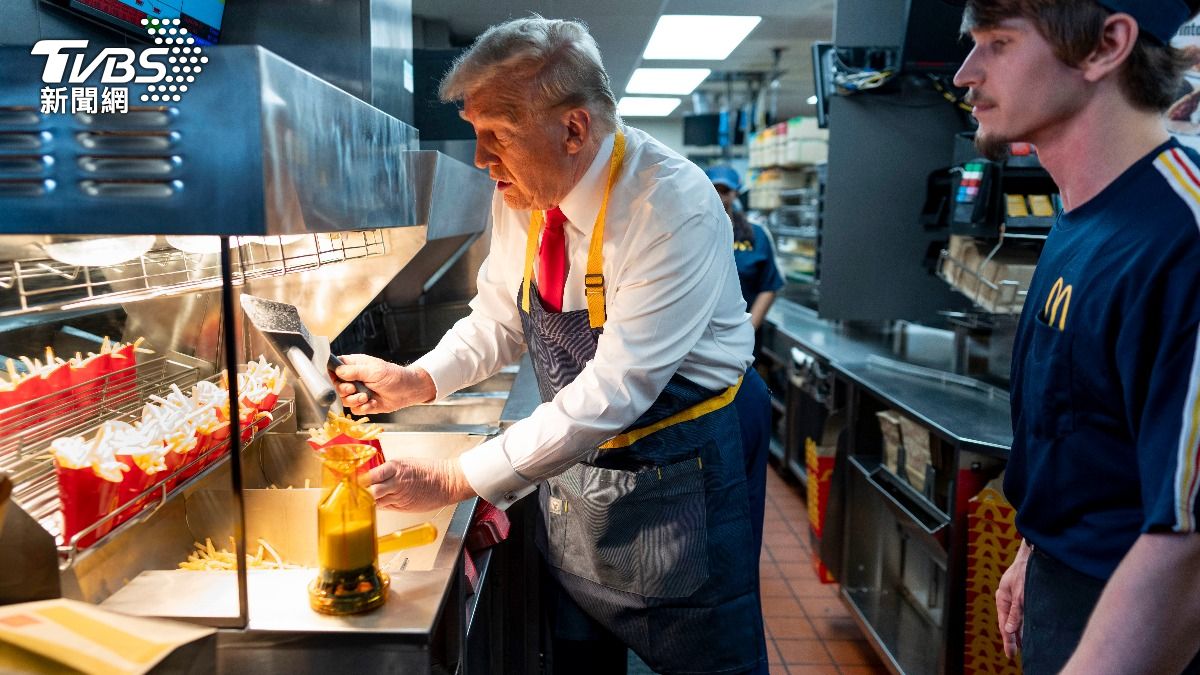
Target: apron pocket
pixel 638 532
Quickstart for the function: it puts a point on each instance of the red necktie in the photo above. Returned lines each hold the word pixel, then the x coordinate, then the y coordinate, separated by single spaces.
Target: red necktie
pixel 552 261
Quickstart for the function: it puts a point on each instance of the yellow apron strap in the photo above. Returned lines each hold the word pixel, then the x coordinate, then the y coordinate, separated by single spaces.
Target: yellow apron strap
pixel 593 280
pixel 686 415
pixel 531 246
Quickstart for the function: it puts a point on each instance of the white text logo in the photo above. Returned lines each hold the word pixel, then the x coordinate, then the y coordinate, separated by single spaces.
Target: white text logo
pixel 167 69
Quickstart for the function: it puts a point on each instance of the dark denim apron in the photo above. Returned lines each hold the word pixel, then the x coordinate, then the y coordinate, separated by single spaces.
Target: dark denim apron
pixel 651 535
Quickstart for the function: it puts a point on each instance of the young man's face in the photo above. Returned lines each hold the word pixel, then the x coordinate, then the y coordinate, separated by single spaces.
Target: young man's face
pixel 527 157
pixel 1021 92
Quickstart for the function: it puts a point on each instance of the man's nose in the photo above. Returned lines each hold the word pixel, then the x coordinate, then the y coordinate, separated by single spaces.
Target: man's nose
pixel 969 74
pixel 483 158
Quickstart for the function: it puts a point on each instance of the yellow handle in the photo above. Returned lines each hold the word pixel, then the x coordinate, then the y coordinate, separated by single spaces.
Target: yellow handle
pixel 417 535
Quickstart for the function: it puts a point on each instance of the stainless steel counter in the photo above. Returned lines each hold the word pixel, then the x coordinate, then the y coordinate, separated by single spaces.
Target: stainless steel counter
pixel 523 397
pixel 970 416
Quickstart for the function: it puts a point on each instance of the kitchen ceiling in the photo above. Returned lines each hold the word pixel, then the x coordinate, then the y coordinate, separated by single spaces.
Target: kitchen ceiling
pixel 622 27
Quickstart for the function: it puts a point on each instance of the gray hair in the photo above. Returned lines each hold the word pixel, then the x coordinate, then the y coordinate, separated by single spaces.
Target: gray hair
pixel 558 59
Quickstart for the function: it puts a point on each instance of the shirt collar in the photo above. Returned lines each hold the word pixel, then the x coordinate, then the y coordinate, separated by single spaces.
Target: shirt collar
pixel 582 203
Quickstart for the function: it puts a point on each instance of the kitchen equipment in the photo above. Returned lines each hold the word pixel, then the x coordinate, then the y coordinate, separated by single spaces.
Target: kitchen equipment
pixel 350 580
pixel 280 322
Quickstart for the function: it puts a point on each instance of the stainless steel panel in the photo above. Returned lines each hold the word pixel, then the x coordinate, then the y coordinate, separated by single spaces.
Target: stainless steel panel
pixel 474 410
pixel 357 45
pixel 297 155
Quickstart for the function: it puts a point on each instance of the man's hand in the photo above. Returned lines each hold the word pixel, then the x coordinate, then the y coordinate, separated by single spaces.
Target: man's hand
pixel 1010 602
pixel 419 484
pixel 394 386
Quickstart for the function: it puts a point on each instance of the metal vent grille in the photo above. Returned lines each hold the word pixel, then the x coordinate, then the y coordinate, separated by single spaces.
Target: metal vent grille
pixel 26 163
pixel 129 155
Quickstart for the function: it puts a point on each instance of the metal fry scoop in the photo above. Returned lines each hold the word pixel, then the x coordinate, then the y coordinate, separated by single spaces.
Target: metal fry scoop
pixel 280 323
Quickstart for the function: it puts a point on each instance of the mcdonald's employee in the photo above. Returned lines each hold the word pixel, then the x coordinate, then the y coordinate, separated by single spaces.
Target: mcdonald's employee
pixel 752 249
pixel 611 263
pixel 1105 463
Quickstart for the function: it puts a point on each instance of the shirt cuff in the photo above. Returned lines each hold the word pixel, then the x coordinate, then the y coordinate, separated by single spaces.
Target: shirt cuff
pixel 492 476
pixel 443 369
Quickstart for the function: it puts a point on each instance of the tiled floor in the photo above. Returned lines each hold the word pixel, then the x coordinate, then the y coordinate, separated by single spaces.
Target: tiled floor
pixel 809 629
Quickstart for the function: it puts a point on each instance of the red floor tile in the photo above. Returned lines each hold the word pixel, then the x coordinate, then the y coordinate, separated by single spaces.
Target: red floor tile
pixel 774 588
pixel 781 540
pixel 791 628
pixel 824 607
pixel 812 669
pixel 769 570
pixel 835 627
pixel 863 670
pixel 773 656
pixel 809 629
pixel 851 652
pixel 788 553
pixel 803 652
pixel 806 587
pixel 785 606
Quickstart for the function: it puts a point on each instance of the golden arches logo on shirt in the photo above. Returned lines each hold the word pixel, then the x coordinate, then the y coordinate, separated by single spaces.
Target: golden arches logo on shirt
pixel 1058 304
pixel 744 245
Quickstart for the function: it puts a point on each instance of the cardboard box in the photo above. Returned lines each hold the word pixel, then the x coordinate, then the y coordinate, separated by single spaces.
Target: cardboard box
pixel 994 283
pixel 906 447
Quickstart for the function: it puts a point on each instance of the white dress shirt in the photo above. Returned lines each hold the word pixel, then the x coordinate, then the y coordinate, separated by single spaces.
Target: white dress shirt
pixel 673 304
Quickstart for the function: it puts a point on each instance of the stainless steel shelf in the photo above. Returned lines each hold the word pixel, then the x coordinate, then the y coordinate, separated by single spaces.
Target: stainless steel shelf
pixel 25 448
pixel 905 636
pixel 42 283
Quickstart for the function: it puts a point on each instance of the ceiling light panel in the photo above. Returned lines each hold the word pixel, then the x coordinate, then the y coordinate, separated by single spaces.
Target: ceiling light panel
pixel 646 106
pixel 680 81
pixel 698 37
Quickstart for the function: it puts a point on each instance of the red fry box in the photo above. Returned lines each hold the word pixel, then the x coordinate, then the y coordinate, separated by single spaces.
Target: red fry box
pixel 253 421
pixel 28 390
pixel 343 439
pixel 86 379
pixel 58 383
pixel 178 457
pixel 267 404
pixel 136 482
pixel 191 461
pixel 86 498
pixel 217 446
pixel 11 415
pixel 123 381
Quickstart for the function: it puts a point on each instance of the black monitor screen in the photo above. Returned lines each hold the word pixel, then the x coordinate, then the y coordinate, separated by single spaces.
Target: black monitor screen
pixel 201 18
pixel 932 41
pixel 719 128
pixel 702 129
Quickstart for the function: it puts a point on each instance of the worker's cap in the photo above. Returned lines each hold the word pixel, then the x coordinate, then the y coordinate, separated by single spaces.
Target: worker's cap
pixel 1160 19
pixel 724 175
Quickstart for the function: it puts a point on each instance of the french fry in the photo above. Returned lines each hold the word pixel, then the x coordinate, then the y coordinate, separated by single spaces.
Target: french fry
pixel 207 558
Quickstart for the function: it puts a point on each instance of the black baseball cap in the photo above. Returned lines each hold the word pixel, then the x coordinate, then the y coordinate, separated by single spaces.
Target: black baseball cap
pixel 1161 19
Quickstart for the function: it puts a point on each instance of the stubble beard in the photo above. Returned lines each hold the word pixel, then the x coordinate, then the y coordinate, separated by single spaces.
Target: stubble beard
pixel 992 146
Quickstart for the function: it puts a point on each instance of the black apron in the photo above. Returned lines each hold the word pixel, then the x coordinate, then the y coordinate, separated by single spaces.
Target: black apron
pixel 651 535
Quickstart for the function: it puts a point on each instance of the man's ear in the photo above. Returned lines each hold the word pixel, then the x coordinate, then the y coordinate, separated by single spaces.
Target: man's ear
pixel 577 123
pixel 1116 43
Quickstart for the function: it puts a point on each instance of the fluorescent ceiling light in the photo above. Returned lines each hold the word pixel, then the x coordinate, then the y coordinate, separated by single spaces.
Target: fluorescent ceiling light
pixel 646 106
pixel 812 100
pixel 691 36
pixel 682 81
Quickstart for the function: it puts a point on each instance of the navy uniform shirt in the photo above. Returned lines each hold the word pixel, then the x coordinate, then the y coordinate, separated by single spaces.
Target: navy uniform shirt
pixel 1106 370
pixel 756 265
